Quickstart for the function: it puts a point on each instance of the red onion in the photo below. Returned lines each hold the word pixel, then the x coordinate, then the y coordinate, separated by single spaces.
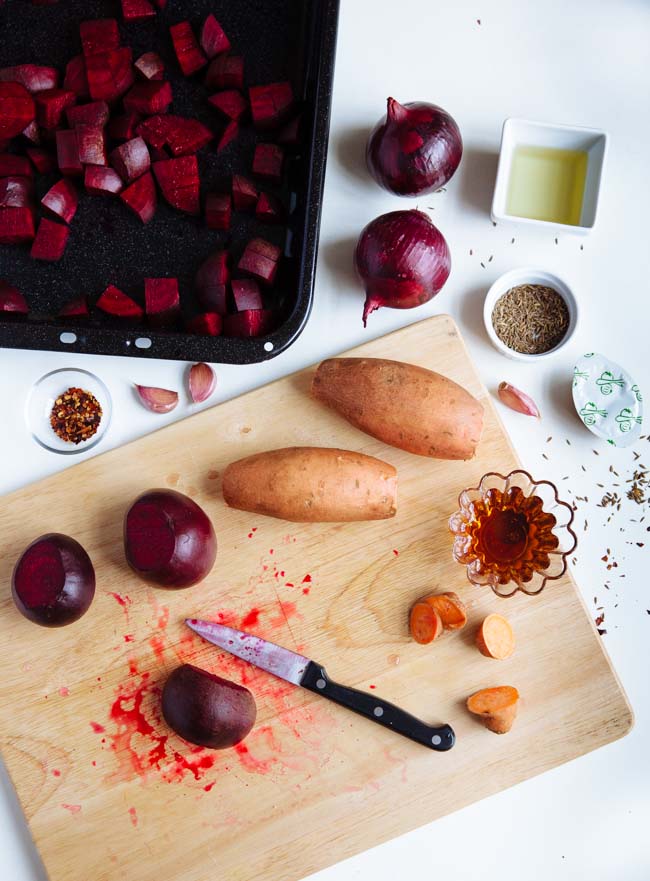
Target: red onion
pixel 402 259
pixel 414 149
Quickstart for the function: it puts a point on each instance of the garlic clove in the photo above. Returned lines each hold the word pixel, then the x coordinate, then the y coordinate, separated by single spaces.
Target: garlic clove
pixel 158 400
pixel 517 400
pixel 202 382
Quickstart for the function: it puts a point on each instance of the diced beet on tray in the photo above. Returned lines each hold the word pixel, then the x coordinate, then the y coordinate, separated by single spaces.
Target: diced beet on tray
pixel 33 77
pixel 110 74
pixel 218 209
pixel 230 133
pixel 269 209
pixel 99 35
pixel 32 133
pixel 11 300
pixel 16 225
pixel 67 151
pixel 182 136
pixel 16 165
pixel 92 144
pixel 207 324
pixel 251 323
pixel 17 110
pixel 141 197
pixel 162 301
pixel 95 113
pixel 75 77
pixel 148 98
pixel 226 72
pixel 131 160
pixel 178 180
pixel 16 192
pixel 155 130
pixel 260 259
pixel 124 126
pixel 188 52
pixel 51 239
pixel 77 308
pixel 62 199
pixel 244 193
pixel 268 161
pixel 100 181
pixel 213 37
pixel 230 102
pixel 150 66
pixel 42 161
pixel 118 304
pixel 246 293
pixel 270 105
pixel 50 105
pixel 137 10
pixel 211 282
pixel 289 134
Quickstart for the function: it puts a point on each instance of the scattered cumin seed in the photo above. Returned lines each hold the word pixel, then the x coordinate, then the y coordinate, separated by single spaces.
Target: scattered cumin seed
pixel 483 265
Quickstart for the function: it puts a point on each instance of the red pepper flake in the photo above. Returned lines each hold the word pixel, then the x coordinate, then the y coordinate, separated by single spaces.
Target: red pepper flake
pixel 76 415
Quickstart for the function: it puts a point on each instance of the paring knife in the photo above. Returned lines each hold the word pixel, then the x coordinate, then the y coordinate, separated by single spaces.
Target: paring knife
pixel 299 670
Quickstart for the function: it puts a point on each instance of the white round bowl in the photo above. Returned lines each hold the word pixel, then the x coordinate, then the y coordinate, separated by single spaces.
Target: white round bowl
pixel 528 275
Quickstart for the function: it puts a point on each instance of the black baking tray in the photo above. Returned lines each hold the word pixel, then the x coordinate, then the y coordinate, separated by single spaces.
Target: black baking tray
pixel 279 39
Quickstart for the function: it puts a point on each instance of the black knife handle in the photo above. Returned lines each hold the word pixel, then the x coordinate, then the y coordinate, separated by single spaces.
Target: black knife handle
pixel 315 678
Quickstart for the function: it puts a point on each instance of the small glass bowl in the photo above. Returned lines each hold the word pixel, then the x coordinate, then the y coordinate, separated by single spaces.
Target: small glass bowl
pixel 529 571
pixel 41 399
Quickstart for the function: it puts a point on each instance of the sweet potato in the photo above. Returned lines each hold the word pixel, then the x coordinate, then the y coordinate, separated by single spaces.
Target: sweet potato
pixel 403 405
pixel 495 638
pixel 311 485
pixel 450 608
pixel 425 623
pixel 497 707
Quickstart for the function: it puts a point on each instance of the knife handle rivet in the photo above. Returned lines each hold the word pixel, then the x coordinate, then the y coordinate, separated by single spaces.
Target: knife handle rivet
pixel 436 739
pixel 378 711
pixel 320 683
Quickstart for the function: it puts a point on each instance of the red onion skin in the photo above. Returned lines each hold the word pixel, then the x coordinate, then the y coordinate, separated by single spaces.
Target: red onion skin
pixel 402 260
pixel 414 149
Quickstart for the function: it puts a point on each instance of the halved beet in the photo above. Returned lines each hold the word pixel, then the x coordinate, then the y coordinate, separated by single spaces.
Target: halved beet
pixel 51 239
pixel 67 151
pixel 244 193
pixel 162 301
pixel 110 74
pixel 178 180
pixel 17 110
pixel 207 324
pixel 99 35
pixel 62 200
pixel 211 283
pixel 217 211
pixel 230 133
pixel 42 161
pixel 182 136
pixel 271 104
pixel 18 166
pixel 96 113
pixel 32 133
pixel 188 52
pixel 260 259
pixel 253 323
pixel 230 102
pixel 213 37
pixel 141 197
pixel 101 181
pixel 33 77
pixel 16 225
pixel 50 105
pixel 131 160
pixel 124 126
pixel 247 295
pixel 226 72
pixel 137 10
pixel 92 144
pixel 77 308
pixel 11 300
pixel 148 98
pixel 53 582
pixel 150 66
pixel 75 77
pixel 268 161
pixel 269 209
pixel 16 192
pixel 115 302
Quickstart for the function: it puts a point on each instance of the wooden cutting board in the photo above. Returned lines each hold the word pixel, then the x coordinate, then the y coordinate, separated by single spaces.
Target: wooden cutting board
pixel 110 793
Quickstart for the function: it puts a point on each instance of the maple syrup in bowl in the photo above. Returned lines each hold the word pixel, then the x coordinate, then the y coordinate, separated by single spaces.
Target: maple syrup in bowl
pixel 512 533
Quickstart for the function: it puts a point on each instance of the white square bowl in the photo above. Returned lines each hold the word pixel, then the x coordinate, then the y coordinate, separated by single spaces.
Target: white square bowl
pixel 524 132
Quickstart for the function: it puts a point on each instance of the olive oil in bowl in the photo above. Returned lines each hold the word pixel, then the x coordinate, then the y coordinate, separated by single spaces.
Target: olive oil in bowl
pixel 547 184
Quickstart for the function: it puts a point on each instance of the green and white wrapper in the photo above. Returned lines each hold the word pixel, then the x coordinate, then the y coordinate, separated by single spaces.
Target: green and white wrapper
pixel 607 399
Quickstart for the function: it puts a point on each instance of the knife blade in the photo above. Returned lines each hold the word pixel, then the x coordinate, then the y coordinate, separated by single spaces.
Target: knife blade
pixel 302 671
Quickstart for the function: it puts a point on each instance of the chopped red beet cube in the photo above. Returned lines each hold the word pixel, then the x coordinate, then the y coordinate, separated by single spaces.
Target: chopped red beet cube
pixel 188 52
pixel 211 283
pixel 11 300
pixel 141 197
pixel 33 77
pixel 16 192
pixel 101 181
pixel 251 323
pixel 289 134
pixel 268 161
pixel 92 144
pixel 77 308
pixel 96 113
pixel 67 151
pixel 231 103
pixel 131 160
pixel 260 259
pixel 115 302
pixel 244 193
pixel 178 180
pixel 155 130
pixel 230 133
pixel 150 66
pixel 217 210
pixel 15 165
pixel 16 225
pixel 137 10
pixel 124 127
pixel 213 37
pixel 50 105
pixel 110 74
pixel 162 301
pixel 207 324
pixel 270 105
pixel 32 132
pixel 226 72
pixel 269 209
pixel 246 293
pixel 42 161
pixel 62 199
pixel 181 135
pixel 148 98
pixel 51 239
pixel 75 77
pixel 17 110
pixel 99 35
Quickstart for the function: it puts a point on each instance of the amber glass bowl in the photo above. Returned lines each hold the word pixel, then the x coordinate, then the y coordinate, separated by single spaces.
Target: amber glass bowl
pixel 513 533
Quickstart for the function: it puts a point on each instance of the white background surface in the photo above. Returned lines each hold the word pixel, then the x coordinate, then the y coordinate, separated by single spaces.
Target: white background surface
pixel 581 62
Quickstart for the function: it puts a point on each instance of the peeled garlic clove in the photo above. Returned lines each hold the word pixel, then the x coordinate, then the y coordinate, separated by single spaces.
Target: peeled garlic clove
pixel 517 400
pixel 158 400
pixel 202 382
